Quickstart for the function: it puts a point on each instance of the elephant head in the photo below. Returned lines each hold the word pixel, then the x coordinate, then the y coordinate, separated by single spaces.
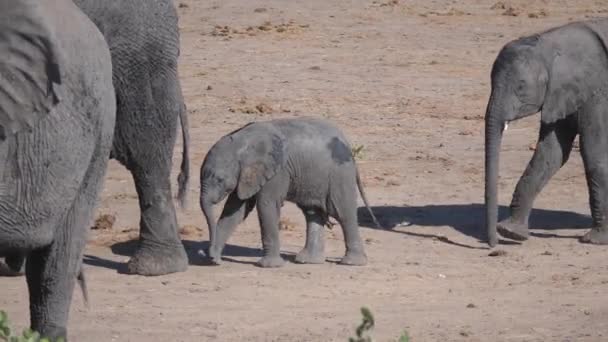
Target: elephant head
pixel 555 72
pixel 240 163
pixel 29 67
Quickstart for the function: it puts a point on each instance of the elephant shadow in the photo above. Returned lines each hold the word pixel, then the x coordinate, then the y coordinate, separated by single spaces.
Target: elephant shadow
pixel 128 248
pixel 467 219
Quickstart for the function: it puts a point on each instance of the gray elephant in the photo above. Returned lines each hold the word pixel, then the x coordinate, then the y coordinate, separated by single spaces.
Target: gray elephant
pixel 563 73
pixel 305 161
pixel 57 116
pixel 143 37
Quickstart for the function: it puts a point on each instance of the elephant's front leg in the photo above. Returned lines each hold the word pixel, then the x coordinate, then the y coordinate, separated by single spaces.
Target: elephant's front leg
pixel 552 151
pixel 235 211
pixel 269 209
pixel 314 250
pixel 594 150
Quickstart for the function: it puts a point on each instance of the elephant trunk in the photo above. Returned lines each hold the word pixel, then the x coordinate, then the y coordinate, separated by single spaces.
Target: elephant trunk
pixel 494 126
pixel 207 208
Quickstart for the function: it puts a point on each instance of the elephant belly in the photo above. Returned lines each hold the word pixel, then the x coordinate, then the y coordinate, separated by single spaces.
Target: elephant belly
pixel 310 188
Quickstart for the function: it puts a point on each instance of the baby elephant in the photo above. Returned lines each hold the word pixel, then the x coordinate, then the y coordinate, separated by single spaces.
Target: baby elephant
pixel 305 161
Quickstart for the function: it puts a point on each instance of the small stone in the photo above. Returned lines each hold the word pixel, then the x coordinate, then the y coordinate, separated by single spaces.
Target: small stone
pixel 497 252
pixel 471 306
pixel 263 108
pixel 511 12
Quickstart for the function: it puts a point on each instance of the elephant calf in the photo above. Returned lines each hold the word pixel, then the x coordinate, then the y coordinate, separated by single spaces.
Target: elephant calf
pixel 305 161
pixel 563 73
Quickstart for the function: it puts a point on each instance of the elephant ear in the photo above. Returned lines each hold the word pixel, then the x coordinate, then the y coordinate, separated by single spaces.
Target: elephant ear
pixel 28 68
pixel 576 73
pixel 264 155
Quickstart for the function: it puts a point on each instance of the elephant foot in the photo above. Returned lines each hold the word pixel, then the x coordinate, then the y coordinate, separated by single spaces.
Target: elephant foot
pixel 158 260
pixel 513 230
pixel 270 261
pixel 596 236
pixel 210 257
pixel 354 259
pixel 306 257
pixel 52 333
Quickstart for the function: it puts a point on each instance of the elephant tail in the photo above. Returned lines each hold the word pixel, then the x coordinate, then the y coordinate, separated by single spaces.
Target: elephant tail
pixel 82 282
pixel 364 198
pixel 184 173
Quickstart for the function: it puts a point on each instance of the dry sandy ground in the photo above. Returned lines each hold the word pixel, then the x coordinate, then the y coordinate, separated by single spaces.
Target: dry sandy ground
pixel 407 80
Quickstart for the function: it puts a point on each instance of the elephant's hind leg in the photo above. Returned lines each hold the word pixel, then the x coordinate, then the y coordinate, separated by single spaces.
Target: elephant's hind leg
pixel 552 151
pixel 594 150
pixel 343 206
pixel 51 271
pixel 314 249
pixel 146 129
pixel 16 263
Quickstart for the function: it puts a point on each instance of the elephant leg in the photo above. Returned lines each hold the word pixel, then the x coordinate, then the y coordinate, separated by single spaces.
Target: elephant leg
pixel 314 250
pixel 268 215
pixel 51 272
pixel 344 209
pixel 594 144
pixel 50 281
pixel 146 129
pixel 552 152
pixel 159 250
pixel 16 263
pixel 235 211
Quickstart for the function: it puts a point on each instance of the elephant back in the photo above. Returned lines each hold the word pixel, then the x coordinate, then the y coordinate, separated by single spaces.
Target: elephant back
pixel 600 28
pixel 136 28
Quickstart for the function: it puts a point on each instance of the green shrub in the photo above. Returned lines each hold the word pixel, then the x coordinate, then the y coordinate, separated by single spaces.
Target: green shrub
pixel 27 336
pixel 367 324
pixel 357 152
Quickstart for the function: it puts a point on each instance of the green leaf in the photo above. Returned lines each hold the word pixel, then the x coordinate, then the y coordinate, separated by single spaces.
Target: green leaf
pixel 5 332
pixel 404 337
pixel 3 317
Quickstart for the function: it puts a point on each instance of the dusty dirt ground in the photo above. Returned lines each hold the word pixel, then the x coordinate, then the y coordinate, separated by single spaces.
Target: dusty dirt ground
pixel 408 81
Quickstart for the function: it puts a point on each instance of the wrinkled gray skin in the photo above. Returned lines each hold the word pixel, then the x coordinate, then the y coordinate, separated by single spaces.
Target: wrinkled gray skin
pixel 57 115
pixel 563 73
pixel 305 161
pixel 144 42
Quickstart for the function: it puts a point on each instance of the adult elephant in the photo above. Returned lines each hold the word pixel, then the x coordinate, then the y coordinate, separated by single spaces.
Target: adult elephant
pixel 563 73
pixel 57 112
pixel 143 37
